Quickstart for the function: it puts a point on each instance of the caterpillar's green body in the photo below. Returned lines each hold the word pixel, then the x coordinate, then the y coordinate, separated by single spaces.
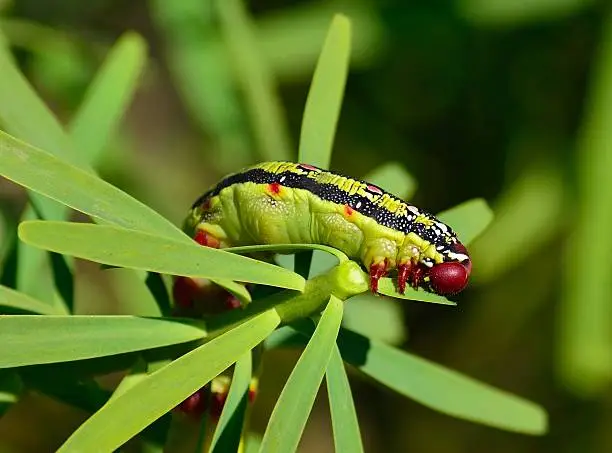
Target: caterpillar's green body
pixel 285 202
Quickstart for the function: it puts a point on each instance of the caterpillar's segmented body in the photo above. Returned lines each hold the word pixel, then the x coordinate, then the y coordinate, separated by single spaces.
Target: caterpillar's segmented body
pixel 286 202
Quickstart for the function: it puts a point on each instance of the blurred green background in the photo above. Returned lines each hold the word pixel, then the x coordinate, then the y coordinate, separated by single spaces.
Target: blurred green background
pixel 501 99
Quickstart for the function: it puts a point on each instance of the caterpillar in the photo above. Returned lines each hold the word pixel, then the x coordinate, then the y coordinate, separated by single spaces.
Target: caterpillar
pixel 291 203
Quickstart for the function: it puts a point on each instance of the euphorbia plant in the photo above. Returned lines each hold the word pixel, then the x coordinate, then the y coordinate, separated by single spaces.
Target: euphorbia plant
pixel 306 307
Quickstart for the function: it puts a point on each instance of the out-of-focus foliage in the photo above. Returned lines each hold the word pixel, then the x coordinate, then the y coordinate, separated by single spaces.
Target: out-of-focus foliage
pixel 506 100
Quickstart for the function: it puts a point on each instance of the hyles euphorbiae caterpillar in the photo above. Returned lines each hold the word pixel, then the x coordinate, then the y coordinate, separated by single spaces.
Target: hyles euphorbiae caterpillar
pixel 289 203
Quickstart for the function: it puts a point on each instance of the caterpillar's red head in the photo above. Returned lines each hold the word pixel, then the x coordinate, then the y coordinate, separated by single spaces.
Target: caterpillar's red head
pixel 451 277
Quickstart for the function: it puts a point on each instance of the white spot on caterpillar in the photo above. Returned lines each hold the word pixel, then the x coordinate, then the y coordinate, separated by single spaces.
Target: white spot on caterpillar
pixel 442 227
pixel 413 209
pixel 458 256
pixel 358 205
pixel 282 179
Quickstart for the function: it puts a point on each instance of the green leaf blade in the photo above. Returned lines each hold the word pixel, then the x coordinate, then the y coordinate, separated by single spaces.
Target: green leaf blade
pixel 25 115
pixel 585 319
pixel 256 81
pixel 51 339
pixel 43 173
pixel 108 96
pixel 291 411
pixel 10 298
pixel 324 100
pixel 138 250
pixel 228 433
pixel 147 400
pixel 441 389
pixel 347 436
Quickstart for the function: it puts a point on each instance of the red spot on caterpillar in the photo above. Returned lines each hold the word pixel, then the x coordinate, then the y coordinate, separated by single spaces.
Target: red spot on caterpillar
pixel 374 189
pixel 274 188
pixel 348 211
pixel 308 167
pixel 206 239
pixel 205 206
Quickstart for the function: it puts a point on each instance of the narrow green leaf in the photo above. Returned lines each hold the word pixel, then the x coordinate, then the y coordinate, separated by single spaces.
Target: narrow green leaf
pixel 10 298
pixel 469 219
pixel 347 437
pixel 229 429
pixel 256 81
pixel 439 388
pixel 49 339
pixel 78 189
pixel 291 41
pixel 585 334
pixel 325 96
pixel 295 402
pixel 393 177
pixel 134 249
pixel 25 115
pixel 108 96
pixel 34 276
pixel 386 286
pixel 198 63
pixel 129 413
pixel 94 121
